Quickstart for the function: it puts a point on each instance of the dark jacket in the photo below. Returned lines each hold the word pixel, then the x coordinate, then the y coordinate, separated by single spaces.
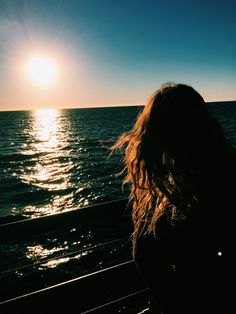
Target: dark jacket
pixel 189 266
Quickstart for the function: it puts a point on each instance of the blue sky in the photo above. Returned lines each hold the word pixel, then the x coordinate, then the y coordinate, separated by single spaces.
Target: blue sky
pixel 116 52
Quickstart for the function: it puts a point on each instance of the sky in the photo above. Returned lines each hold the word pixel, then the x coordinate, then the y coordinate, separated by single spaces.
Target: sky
pixel 109 52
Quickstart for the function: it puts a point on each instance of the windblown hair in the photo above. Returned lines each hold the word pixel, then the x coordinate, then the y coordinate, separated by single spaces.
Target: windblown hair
pixel 166 153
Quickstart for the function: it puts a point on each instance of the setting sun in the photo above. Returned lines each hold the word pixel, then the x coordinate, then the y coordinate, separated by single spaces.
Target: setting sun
pixel 41 70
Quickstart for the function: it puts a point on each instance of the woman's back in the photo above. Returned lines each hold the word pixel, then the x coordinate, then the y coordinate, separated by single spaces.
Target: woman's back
pixel 189 264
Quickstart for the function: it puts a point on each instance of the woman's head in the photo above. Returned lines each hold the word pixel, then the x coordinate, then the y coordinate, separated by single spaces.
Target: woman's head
pixel 174 121
pixel 173 127
pixel 172 139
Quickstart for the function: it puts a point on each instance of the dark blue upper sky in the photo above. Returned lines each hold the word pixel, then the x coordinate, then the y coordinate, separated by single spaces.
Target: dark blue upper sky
pixel 117 52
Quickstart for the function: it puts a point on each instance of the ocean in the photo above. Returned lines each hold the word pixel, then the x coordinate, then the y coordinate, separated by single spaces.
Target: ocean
pixel 58 160
pixel 55 161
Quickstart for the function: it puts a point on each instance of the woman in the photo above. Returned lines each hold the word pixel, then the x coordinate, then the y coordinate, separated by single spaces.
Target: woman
pixel 179 165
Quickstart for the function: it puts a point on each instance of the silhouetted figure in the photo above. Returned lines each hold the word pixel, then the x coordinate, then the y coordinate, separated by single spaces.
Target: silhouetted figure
pixel 182 174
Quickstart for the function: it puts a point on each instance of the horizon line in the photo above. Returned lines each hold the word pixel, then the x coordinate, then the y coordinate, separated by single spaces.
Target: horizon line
pixel 102 106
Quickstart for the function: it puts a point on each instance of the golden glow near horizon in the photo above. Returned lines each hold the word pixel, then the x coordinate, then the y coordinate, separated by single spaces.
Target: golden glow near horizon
pixel 45 129
pixel 41 70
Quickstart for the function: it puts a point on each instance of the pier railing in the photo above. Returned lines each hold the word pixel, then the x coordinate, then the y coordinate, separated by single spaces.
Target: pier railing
pixel 95 213
pixel 115 289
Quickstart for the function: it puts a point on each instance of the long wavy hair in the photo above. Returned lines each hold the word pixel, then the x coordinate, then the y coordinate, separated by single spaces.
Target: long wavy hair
pixel 167 152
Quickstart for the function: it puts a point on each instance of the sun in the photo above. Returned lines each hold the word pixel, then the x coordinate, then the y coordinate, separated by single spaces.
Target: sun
pixel 41 70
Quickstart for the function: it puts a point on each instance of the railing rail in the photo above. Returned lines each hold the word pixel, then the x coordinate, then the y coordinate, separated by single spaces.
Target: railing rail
pixel 71 253
pixel 99 213
pixel 98 292
pixel 92 292
pixel 137 300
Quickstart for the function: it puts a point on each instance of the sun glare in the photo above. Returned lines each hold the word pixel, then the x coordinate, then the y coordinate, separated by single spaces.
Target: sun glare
pixel 41 70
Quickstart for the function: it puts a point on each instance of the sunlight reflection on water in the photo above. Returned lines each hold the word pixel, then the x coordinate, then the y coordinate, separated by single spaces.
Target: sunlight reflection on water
pixel 51 170
pixel 46 125
pixel 49 138
pixel 58 160
pixel 54 252
pixel 39 251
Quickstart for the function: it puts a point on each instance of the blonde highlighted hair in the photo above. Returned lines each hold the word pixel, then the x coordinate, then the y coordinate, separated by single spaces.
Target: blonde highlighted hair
pixel 165 153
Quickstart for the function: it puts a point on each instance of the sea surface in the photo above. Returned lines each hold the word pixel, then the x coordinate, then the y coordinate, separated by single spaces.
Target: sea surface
pixel 55 161
pixel 58 160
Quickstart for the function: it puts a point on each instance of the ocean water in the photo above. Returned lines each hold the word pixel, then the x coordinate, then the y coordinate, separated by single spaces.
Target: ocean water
pixel 58 160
